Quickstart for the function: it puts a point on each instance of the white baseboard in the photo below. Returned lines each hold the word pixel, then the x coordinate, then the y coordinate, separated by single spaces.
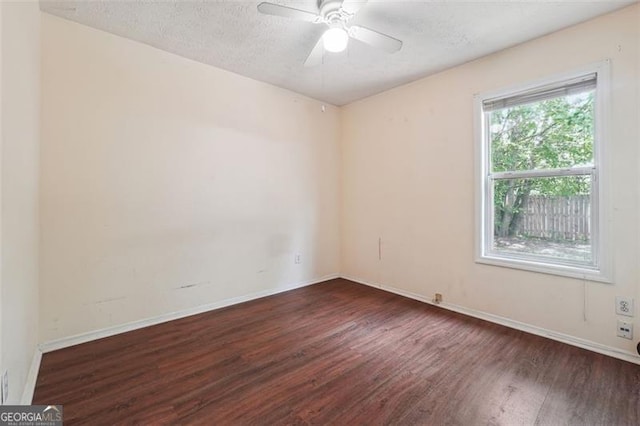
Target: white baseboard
pixel 539 331
pixel 123 328
pixel 32 377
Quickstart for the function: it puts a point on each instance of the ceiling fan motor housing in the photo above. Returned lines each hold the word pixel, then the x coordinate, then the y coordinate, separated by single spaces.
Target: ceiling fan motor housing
pixel 332 12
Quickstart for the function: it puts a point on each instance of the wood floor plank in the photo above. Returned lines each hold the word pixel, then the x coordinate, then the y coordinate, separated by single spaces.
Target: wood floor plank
pixel 336 353
pixel 615 391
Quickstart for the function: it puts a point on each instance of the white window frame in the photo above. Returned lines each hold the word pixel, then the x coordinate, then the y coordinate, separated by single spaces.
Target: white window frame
pixel 601 271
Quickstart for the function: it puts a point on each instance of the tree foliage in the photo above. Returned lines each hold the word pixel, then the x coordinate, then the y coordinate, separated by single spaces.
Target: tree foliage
pixel 551 134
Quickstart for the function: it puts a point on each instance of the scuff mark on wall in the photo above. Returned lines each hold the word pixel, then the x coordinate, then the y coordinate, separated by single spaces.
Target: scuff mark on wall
pixel 192 285
pixel 112 299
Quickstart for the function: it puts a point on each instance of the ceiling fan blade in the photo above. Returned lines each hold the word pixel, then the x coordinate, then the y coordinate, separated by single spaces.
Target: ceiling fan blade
pixel 375 39
pixel 288 12
pixel 315 57
pixel 352 6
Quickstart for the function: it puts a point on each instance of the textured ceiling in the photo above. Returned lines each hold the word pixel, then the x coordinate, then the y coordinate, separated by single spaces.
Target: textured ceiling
pixel 232 35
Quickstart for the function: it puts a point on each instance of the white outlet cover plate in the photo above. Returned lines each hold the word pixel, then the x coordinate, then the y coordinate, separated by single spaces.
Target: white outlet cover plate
pixel 624 306
pixel 625 329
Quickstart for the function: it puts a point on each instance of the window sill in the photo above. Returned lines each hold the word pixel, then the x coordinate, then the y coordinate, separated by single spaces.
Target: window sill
pixel 546 268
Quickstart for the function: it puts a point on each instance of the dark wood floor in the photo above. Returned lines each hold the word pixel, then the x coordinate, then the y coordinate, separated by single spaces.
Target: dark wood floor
pixel 336 353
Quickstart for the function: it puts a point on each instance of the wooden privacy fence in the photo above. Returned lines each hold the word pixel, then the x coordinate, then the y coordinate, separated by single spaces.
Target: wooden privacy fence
pixel 556 217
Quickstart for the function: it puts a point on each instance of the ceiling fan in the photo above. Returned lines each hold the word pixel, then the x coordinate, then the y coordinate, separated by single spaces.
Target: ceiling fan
pixel 335 14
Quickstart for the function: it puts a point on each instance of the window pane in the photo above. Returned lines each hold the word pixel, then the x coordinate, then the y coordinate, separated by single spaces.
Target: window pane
pixel 544 217
pixel 554 133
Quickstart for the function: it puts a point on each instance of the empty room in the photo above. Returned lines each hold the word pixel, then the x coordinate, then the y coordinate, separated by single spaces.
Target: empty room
pixel 320 212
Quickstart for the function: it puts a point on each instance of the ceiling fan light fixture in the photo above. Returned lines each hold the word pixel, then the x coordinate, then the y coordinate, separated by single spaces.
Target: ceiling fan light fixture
pixel 335 39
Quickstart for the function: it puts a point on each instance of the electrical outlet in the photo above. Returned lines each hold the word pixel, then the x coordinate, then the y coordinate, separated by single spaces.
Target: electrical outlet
pixel 625 329
pixel 624 306
pixel 5 386
pixel 297 259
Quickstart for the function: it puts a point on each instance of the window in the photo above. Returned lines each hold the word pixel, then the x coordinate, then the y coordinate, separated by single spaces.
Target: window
pixel 540 198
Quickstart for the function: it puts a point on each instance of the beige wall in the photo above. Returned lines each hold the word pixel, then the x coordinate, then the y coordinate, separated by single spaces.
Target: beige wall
pixel 167 184
pixel 408 177
pixel 1 131
pixel 20 151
